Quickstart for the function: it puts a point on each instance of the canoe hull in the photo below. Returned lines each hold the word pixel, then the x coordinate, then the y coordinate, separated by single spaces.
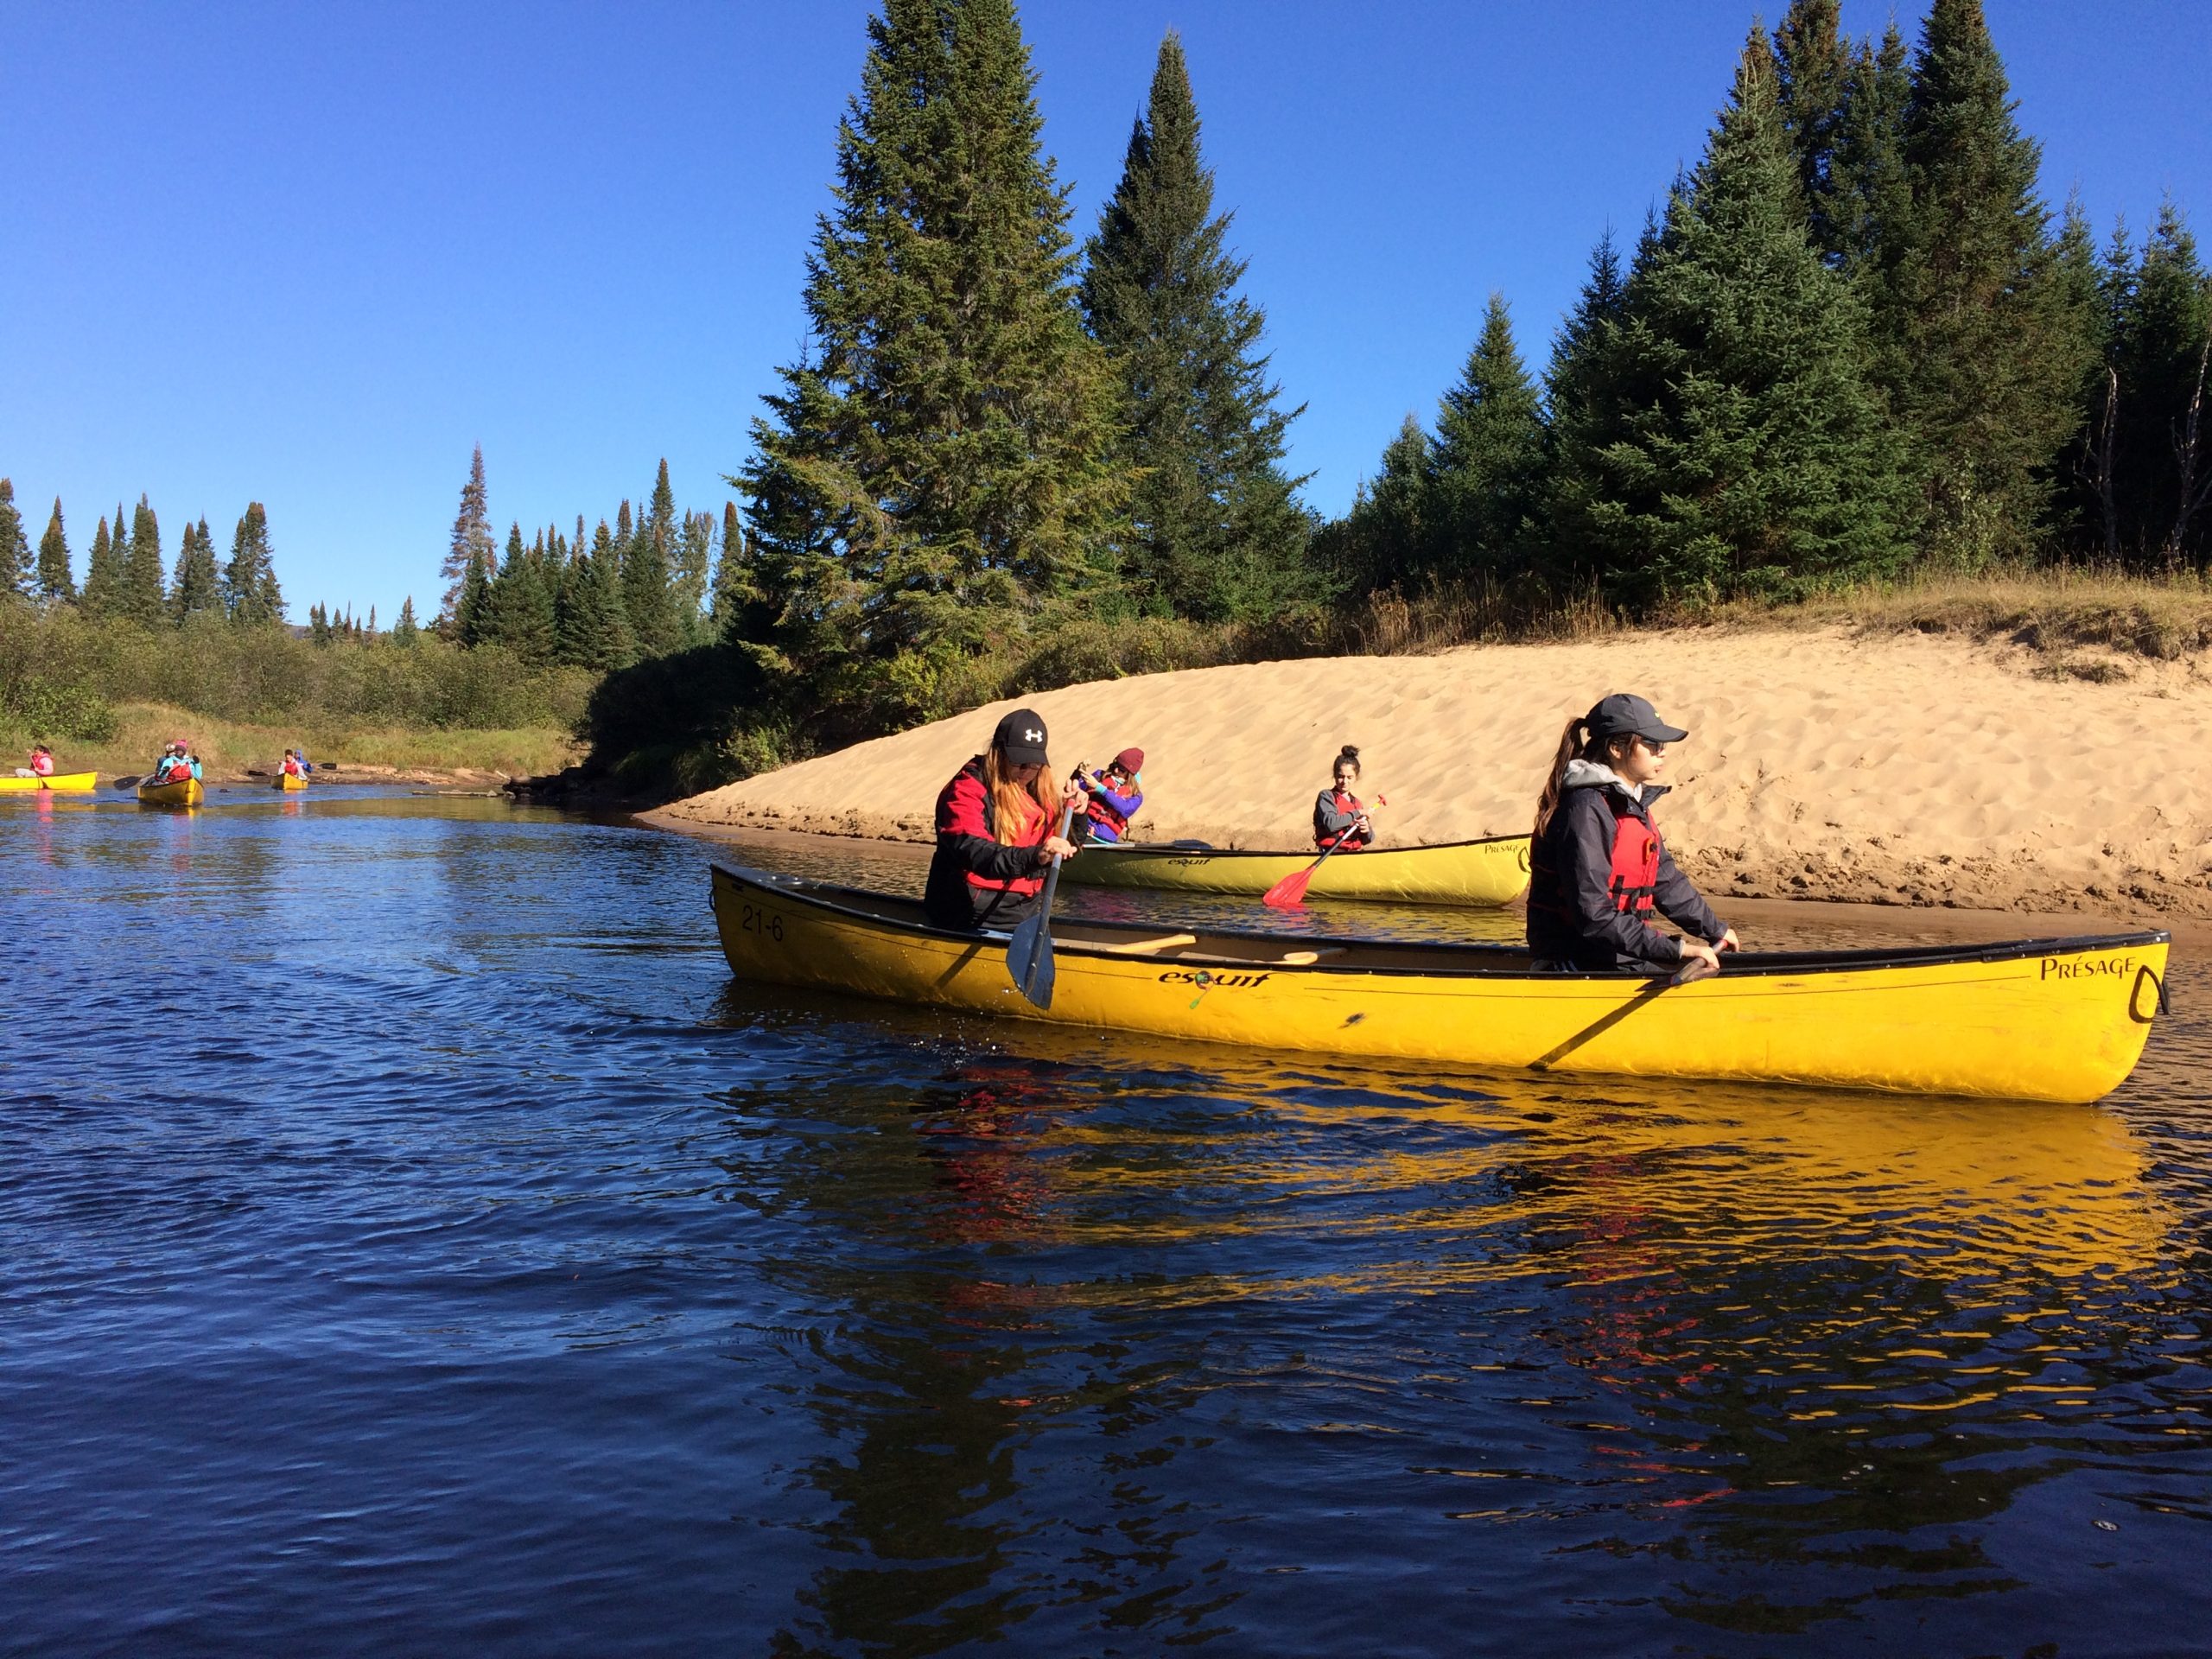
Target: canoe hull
pixel 185 792
pixel 2058 1021
pixel 289 784
pixel 62 783
pixel 1480 872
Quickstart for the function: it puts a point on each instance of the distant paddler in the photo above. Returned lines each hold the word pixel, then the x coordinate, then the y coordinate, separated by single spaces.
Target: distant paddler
pixel 41 766
pixel 1340 820
pixel 176 764
pixel 1598 867
pixel 995 831
pixel 1110 798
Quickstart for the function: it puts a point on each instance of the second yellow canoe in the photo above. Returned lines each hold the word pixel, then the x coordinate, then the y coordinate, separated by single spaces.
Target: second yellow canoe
pixel 288 784
pixel 69 783
pixel 1488 872
pixel 185 791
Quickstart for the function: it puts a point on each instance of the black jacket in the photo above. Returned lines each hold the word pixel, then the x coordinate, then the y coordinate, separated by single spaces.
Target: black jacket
pixel 967 842
pixel 1573 917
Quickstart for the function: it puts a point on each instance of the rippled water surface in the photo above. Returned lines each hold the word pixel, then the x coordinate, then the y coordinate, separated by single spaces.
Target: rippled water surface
pixel 413 1241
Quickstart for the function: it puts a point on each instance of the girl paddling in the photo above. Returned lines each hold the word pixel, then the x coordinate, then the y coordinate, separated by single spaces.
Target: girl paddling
pixel 995 831
pixel 1337 815
pixel 1598 867
pixel 1114 796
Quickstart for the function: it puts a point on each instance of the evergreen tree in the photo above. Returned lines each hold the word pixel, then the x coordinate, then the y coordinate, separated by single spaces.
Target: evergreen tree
pixel 55 581
pixel 695 558
pixel 744 612
pixel 1383 541
pixel 590 627
pixel 14 546
pixel 1986 372
pixel 103 579
pixel 199 589
pixel 654 624
pixel 404 632
pixel 1814 90
pixel 143 598
pixel 1214 530
pixel 518 610
pixel 941 454
pixel 1486 469
pixel 1752 457
pixel 472 535
pixel 250 593
pixel 471 617
pixel 1870 199
pixel 1573 392
pixel 2159 351
pixel 2085 500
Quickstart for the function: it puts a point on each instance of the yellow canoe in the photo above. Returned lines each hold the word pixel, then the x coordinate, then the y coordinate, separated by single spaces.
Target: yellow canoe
pixel 1491 872
pixel 2057 1019
pixel 288 784
pixel 186 791
pixel 73 783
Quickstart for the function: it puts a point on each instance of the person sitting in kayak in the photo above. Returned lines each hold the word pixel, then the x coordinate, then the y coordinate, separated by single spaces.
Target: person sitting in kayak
pixel 173 764
pixel 1598 868
pixel 1111 797
pixel 1338 817
pixel 995 831
pixel 295 767
pixel 41 764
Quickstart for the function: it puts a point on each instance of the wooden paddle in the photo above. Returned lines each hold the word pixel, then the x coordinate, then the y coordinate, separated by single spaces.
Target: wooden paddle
pixel 1029 952
pixel 1290 893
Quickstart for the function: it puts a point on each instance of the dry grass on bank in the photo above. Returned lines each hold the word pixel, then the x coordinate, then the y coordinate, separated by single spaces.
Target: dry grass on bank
pixel 228 747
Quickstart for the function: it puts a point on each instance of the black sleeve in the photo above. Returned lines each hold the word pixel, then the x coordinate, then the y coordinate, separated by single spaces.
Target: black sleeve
pixel 1681 904
pixel 986 858
pixel 1590 831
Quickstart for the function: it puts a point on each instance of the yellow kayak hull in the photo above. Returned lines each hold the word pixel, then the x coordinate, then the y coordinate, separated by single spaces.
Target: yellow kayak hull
pixel 185 792
pixel 2055 1020
pixel 1492 872
pixel 68 782
pixel 289 784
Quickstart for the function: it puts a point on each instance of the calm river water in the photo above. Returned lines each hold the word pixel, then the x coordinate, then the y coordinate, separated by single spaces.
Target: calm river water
pixel 412 1241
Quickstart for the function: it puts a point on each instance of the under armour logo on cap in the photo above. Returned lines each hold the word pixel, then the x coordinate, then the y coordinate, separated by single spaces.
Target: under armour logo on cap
pixel 1020 737
pixel 1033 735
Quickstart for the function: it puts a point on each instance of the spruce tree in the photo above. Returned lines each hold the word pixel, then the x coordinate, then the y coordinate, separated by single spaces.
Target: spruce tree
pixel 745 613
pixel 518 611
pixel 1486 468
pixel 591 629
pixel 144 599
pixel 941 454
pixel 1751 458
pixel 318 624
pixel 2159 353
pixel 103 579
pixel 199 589
pixel 404 631
pixel 471 617
pixel 1385 540
pixel 56 582
pixel 1214 530
pixel 1870 199
pixel 1814 66
pixel 1986 375
pixel 695 559
pixel 250 593
pixel 472 535
pixel 2084 502
pixel 15 547
pixel 654 624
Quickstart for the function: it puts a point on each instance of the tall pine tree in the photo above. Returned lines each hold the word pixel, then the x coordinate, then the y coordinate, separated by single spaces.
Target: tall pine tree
pixel 199 589
pixel 472 535
pixel 1385 540
pixel 1486 469
pixel 518 610
pixel 15 547
pixel 1214 530
pixel 250 593
pixel 2159 352
pixel 143 598
pixel 404 631
pixel 654 624
pixel 941 456
pixel 1751 456
pixel 1813 93
pixel 103 574
pixel 56 582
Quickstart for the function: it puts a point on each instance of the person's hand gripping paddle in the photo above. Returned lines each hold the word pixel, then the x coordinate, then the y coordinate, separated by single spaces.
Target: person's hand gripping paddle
pixel 1290 893
pixel 1029 952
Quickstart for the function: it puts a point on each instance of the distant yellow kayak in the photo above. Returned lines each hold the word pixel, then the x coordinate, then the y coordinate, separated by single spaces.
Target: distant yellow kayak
pixel 186 791
pixel 288 784
pixel 1491 872
pixel 2057 1020
pixel 73 783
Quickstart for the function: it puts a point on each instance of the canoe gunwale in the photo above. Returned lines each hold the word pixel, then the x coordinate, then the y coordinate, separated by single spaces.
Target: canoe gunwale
pixel 1169 850
pixel 831 897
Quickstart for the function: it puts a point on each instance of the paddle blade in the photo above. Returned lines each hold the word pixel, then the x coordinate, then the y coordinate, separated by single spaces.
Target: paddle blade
pixel 1289 892
pixel 1029 961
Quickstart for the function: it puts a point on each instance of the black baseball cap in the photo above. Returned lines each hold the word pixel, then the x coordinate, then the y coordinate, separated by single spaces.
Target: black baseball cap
pixel 1625 714
pixel 1020 737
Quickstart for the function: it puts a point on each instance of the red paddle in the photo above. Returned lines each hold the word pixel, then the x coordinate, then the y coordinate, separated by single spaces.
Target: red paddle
pixel 1290 893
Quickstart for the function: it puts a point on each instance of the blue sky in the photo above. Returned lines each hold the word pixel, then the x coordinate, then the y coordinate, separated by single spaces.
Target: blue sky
pixel 310 254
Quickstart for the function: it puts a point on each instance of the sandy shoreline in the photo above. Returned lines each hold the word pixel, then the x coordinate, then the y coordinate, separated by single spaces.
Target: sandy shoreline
pixel 1894 769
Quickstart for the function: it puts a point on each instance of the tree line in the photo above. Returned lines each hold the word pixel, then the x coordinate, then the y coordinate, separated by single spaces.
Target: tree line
pixel 1851 344
pixel 126 576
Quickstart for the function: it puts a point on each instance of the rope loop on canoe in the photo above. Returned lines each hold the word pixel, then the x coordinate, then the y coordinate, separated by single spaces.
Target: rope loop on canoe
pixel 2159 1005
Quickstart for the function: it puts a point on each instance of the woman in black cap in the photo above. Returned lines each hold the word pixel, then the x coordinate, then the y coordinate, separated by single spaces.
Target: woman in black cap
pixel 996 831
pixel 1598 868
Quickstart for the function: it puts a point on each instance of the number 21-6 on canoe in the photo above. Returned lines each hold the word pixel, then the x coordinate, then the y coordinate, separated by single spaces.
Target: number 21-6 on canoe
pixel 2057 1020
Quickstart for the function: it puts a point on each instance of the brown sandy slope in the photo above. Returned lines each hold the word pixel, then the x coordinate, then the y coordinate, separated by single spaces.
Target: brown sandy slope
pixel 1892 769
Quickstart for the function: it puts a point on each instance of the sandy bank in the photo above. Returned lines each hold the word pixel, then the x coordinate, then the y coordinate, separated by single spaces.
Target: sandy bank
pixel 1896 769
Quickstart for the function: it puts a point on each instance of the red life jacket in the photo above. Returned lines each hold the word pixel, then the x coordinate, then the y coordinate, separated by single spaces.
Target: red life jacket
pixel 1353 839
pixel 291 768
pixel 1634 879
pixel 43 765
pixel 1099 812
pixel 965 808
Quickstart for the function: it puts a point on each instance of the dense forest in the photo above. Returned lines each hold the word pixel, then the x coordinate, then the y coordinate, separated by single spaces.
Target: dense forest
pixel 1854 345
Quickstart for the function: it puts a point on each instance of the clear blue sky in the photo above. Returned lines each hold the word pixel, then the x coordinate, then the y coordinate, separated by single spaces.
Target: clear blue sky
pixel 310 254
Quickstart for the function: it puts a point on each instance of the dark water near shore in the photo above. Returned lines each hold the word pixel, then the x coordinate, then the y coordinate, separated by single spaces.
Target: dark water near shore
pixel 412 1241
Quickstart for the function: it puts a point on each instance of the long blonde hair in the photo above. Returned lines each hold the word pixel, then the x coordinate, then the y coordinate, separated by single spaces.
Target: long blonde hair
pixel 1010 801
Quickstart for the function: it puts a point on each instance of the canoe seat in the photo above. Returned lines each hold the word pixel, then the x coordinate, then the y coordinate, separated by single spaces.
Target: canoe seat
pixel 1138 947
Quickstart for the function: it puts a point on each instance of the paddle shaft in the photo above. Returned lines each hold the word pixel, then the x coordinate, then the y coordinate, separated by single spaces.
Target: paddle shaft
pixel 1029 952
pixel 1291 890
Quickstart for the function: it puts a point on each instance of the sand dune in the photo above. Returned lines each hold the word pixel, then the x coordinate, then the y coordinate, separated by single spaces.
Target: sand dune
pixel 1901 769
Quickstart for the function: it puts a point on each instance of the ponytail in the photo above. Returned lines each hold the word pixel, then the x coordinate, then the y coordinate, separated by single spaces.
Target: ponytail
pixel 1571 743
